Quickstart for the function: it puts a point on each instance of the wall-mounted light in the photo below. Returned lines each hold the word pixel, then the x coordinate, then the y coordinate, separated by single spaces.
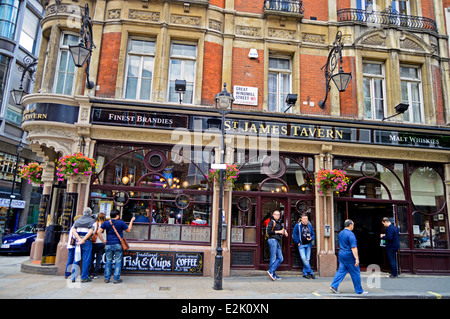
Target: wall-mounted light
pixel 399 109
pixel 291 99
pixel 30 64
pixel 180 88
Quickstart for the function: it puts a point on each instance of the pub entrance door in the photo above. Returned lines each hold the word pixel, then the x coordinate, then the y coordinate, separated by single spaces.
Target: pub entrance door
pixel 267 206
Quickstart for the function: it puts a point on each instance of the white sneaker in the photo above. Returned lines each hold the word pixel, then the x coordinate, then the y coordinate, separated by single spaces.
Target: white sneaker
pixel 271 276
pixel 364 293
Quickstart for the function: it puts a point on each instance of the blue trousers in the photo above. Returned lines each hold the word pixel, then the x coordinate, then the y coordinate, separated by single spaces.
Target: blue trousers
pixel 305 255
pixel 392 256
pixel 116 251
pixel 86 258
pixel 355 274
pixel 276 255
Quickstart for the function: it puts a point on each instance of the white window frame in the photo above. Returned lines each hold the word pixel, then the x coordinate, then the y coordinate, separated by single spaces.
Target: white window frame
pixel 283 106
pixel 141 60
pixel 69 57
pixel 373 98
pixel 182 58
pixel 408 114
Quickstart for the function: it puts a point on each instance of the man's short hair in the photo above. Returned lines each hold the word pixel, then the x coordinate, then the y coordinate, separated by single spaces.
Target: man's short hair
pixel 87 211
pixel 385 219
pixel 348 222
pixel 114 213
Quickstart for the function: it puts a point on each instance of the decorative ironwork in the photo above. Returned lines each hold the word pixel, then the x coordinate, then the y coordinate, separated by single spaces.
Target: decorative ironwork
pixel 387 17
pixel 292 6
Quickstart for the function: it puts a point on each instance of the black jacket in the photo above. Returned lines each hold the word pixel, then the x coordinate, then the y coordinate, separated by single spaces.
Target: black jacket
pixel 272 226
pixel 392 237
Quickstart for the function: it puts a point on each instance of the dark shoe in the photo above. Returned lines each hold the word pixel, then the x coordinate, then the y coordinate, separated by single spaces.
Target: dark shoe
pixel 276 277
pixel 306 276
pixel 312 276
pixel 86 280
pixel 392 277
pixel 107 280
pixel 118 281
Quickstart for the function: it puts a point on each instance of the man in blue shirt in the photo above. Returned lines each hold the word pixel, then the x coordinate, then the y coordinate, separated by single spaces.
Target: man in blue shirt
pixel 303 235
pixel 392 245
pixel 348 259
pixel 113 246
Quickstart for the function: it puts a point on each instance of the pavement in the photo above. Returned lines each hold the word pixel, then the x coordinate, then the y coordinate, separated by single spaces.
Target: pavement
pixel 15 284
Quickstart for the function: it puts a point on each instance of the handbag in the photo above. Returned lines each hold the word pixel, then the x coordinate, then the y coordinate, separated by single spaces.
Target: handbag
pixel 123 241
pixel 94 235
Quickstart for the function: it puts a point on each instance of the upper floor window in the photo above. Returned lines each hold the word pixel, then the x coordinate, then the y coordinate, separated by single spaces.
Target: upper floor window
pixel 139 74
pixel 182 65
pixel 374 87
pixel 9 10
pixel 401 7
pixel 280 74
pixel 66 71
pixel 411 84
pixel 29 31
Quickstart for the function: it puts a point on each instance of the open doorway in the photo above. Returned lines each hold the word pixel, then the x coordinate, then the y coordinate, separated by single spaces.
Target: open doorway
pixel 368 227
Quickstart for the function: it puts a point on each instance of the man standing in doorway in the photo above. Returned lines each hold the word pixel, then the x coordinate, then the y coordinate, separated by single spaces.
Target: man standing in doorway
pixel 348 259
pixel 392 245
pixel 303 235
pixel 275 230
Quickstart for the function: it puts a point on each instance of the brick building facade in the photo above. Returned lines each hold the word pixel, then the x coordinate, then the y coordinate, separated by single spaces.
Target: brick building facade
pixel 397 52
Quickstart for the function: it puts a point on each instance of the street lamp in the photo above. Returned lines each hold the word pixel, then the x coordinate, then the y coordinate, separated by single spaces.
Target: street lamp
pixel 340 79
pixel 224 105
pixel 81 53
pixel 30 63
pixel 19 149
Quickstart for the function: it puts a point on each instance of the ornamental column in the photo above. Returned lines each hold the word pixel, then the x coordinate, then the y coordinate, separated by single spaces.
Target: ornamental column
pixel 326 259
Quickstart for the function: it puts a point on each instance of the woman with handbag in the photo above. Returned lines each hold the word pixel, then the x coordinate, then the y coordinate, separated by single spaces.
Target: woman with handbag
pixel 114 240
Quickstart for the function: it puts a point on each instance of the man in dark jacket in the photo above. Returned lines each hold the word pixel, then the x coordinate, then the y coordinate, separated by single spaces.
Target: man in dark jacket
pixel 392 245
pixel 275 230
pixel 303 235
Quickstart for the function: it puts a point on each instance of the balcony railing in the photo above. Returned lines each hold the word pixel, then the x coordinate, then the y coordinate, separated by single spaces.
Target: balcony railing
pixel 387 17
pixel 289 6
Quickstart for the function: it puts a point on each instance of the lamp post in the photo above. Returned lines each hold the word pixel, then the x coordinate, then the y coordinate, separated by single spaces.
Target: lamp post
pixel 340 79
pixel 224 105
pixel 19 149
pixel 81 53
pixel 30 64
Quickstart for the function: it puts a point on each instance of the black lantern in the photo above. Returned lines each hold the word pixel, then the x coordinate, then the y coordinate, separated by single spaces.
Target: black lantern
pixel 291 99
pixel 30 64
pixel 340 79
pixel 180 88
pixel 400 109
pixel 81 53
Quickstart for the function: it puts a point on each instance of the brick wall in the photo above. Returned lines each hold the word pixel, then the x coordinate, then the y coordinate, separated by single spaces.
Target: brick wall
pixel 248 72
pixel 212 72
pixel 438 98
pixel 249 6
pixel 109 62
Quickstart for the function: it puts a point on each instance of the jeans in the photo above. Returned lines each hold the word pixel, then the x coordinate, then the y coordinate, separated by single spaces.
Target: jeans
pixel 392 256
pixel 355 274
pixel 69 265
pixel 86 258
pixel 305 255
pixel 276 255
pixel 116 251
pixel 97 253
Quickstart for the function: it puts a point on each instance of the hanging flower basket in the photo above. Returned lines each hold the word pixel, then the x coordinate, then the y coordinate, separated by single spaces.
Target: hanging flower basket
pixel 232 173
pixel 73 165
pixel 32 172
pixel 334 180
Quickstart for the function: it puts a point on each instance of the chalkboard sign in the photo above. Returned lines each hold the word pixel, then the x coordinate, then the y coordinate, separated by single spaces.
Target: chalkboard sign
pixel 162 262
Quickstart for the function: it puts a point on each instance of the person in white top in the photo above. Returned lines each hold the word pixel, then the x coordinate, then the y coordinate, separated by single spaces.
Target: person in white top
pixel 98 247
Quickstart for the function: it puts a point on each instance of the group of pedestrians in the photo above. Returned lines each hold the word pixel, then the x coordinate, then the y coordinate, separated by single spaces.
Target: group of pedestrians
pixel 348 257
pixel 88 239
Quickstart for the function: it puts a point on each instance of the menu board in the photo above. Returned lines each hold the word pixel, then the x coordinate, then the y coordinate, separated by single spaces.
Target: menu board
pixel 167 262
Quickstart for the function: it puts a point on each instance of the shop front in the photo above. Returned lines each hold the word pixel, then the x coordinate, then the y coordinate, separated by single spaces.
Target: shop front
pixel 154 161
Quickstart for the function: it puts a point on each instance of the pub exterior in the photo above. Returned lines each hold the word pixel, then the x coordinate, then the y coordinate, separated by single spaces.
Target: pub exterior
pixel 154 146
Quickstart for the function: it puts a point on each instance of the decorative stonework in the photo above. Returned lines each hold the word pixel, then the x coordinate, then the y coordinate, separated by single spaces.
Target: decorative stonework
pixel 215 25
pixel 248 31
pixel 185 20
pixel 64 9
pixel 114 14
pixel 314 38
pixel 282 34
pixel 143 15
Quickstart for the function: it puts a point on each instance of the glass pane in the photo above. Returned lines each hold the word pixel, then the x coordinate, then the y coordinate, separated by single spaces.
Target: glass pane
pixel 63 61
pixel 147 68
pixel 70 39
pixel 69 84
pixel 372 68
pixel 427 190
pixel 175 69
pixel 131 88
pixel 133 66
pixel 146 85
pixel 189 71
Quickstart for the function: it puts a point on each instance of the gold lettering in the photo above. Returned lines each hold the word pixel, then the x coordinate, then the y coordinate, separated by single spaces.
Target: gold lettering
pixel 263 129
pixel 329 133
pixel 338 133
pixel 275 129
pixel 321 132
pixel 284 130
pixel 304 132
pixel 253 129
pixel 312 133
pixel 296 128
pixel 227 125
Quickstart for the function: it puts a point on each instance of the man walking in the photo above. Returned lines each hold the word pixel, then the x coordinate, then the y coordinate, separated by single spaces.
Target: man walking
pixel 113 248
pixel 275 230
pixel 392 245
pixel 348 259
pixel 303 235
